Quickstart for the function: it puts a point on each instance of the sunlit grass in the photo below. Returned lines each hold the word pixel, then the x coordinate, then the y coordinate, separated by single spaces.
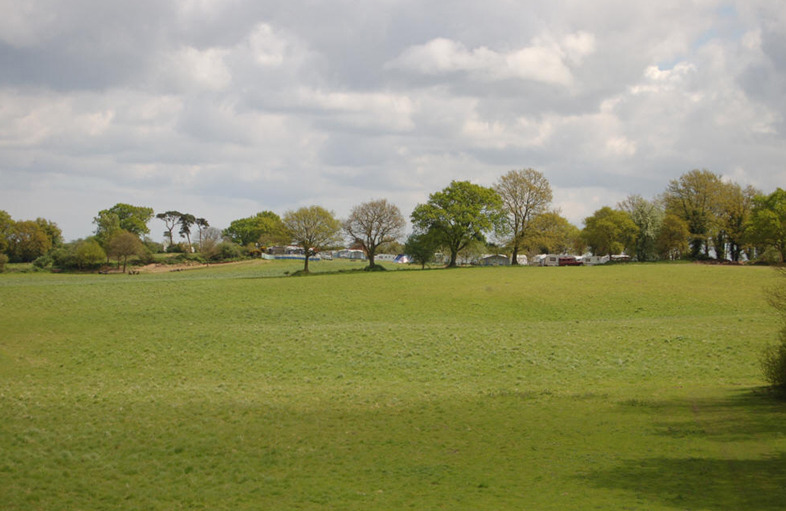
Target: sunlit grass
pixel 622 387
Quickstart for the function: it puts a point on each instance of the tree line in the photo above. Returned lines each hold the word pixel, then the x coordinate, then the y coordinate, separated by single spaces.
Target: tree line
pixel 698 216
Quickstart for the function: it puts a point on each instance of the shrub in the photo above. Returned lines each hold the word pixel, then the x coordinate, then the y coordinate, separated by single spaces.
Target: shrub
pixel 773 364
pixel 773 360
pixel 43 262
pixel 3 261
pixel 227 251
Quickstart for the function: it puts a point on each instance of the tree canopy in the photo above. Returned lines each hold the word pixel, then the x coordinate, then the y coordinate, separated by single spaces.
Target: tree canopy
pixel 609 231
pixel 458 214
pixel 312 228
pixel 264 228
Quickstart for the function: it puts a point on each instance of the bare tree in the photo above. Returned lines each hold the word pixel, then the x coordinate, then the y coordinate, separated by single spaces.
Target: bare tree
pixel 373 223
pixel 525 194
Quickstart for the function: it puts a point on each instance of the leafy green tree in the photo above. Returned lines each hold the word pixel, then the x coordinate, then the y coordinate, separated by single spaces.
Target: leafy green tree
pixel 52 231
pixel 553 234
pixel 672 240
pixel 648 217
pixel 170 219
pixel 88 253
pixel 265 228
pixel 421 248
pixel 733 208
pixel 609 231
pixel 6 224
pixel 130 218
pixel 767 224
pixel 124 244
pixel 693 197
pixel 28 241
pixel 313 228
pixel 459 214
pixel 373 223
pixel 525 194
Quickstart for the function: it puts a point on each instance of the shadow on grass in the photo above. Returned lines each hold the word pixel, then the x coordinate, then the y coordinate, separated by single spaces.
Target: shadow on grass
pixel 715 483
pixel 702 483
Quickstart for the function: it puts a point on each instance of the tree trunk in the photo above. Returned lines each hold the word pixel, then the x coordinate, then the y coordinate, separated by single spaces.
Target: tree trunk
pixel 371 260
pixel 514 259
pixel 305 268
pixel 453 257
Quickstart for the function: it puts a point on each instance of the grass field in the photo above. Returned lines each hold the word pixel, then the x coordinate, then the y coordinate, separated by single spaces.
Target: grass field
pixel 619 387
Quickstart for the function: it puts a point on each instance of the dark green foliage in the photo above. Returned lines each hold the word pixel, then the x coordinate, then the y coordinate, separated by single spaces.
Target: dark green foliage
pixel 421 247
pixel 3 262
pixel 459 214
pixel 264 228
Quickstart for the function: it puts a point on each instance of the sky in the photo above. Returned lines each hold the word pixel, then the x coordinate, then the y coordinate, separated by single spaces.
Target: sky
pixel 224 108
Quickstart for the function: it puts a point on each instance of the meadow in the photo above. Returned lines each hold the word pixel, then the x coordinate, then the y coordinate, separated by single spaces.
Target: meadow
pixel 237 387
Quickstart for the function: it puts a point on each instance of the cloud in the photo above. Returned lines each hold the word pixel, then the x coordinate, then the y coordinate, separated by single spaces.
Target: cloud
pixel 545 60
pixel 231 107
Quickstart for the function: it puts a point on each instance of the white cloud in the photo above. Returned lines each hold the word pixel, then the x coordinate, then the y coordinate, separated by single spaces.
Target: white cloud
pixel 544 60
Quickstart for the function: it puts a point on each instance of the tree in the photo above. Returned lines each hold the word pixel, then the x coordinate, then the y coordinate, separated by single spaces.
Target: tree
pixel 170 219
pixel 52 231
pixel 6 224
pixel 27 241
pixel 648 217
pixel 458 214
pixel 673 236
pixel 733 209
pixel 133 219
pixel 123 244
pixel 185 221
pixel 312 228
pixel 202 226
pixel 265 227
pixel 373 223
pixel 525 194
pixel 421 247
pixel 773 359
pixel 767 224
pixel 553 234
pixel 88 253
pixel 609 231
pixel 693 197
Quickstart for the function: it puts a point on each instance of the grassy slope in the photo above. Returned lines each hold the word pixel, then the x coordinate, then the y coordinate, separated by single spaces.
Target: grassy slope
pixel 622 387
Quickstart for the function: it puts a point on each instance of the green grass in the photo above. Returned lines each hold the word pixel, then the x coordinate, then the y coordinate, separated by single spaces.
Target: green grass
pixel 619 387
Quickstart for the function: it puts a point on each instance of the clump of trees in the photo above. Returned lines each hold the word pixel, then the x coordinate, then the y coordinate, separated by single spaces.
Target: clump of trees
pixel 698 216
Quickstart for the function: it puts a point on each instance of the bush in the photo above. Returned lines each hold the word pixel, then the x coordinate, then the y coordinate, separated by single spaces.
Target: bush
pixel 773 360
pixel 43 262
pixel 227 251
pixel 3 262
pixel 773 364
